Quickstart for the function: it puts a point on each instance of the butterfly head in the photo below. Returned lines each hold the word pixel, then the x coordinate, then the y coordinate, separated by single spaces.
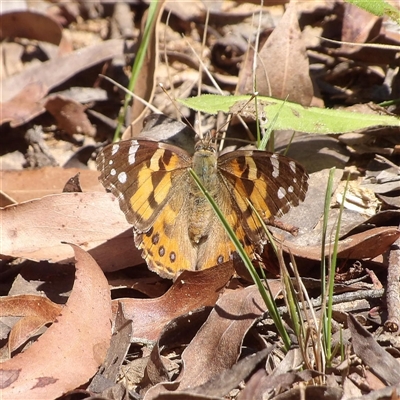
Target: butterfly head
pixel 208 142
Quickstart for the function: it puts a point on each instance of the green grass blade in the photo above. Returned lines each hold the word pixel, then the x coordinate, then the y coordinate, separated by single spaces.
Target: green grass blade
pixel 332 271
pixel 327 203
pixel 266 294
pixel 379 8
pixel 293 116
pixel 137 65
pixel 328 196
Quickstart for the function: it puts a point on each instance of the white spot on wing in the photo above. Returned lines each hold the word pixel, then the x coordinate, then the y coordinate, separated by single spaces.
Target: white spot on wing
pixel 290 189
pixel 110 162
pixel 113 172
pixel 122 177
pixel 114 149
pixel 281 193
pixel 132 152
pixel 292 166
pixel 275 165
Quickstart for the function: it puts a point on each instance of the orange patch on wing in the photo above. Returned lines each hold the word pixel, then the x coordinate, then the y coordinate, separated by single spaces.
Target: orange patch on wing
pixel 168 254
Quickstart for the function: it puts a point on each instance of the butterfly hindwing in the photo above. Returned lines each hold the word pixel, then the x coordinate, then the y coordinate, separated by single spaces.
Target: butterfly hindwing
pixel 167 247
pixel 165 251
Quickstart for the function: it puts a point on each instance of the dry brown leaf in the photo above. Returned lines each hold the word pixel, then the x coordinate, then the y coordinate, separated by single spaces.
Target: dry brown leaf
pixel 221 385
pixel 373 382
pixel 145 84
pixel 372 354
pixel 32 184
pixel 36 229
pixel 359 26
pixel 229 379
pixel 368 244
pixel 220 338
pixel 30 25
pixel 54 72
pixel 283 68
pixel 69 353
pixel 23 330
pixel 116 354
pixel 217 344
pixel 26 304
pixel 263 384
pixel 179 331
pixel 25 105
pixel 70 115
pixel 190 291
pixel 36 312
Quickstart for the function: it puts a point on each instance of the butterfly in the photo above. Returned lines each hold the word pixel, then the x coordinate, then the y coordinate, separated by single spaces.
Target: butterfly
pixel 173 222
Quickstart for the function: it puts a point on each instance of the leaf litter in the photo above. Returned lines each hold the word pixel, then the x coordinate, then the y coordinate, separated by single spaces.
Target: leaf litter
pixel 206 335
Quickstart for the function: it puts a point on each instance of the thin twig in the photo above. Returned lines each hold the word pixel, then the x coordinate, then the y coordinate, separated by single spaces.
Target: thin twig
pixel 393 289
pixel 341 298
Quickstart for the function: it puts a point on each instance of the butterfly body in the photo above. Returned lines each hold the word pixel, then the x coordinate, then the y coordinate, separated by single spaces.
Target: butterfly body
pixel 173 222
pixel 204 164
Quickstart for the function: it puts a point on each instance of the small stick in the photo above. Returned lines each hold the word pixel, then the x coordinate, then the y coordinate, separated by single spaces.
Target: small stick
pixel 393 289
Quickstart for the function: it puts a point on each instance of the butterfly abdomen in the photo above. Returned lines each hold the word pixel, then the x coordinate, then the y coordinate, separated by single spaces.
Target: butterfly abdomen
pixel 201 213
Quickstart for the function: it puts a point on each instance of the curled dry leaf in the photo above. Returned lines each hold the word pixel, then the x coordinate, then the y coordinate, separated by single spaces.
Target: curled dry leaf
pixel 32 184
pixel 36 229
pixel 179 331
pixel 384 365
pixel 70 115
pixel 46 76
pixel 69 353
pixel 230 378
pixel 30 25
pixel 36 312
pixel 221 337
pixel 192 290
pixel 367 244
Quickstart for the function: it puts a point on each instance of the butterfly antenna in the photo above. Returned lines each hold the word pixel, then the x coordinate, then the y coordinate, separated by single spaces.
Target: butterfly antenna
pixel 254 68
pixel 173 101
pixel 256 44
pixel 201 67
pixel 229 118
pixel 135 96
pixel 178 114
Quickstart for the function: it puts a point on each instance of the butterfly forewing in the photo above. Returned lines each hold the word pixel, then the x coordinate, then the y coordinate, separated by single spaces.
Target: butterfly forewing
pixel 143 175
pixel 271 182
